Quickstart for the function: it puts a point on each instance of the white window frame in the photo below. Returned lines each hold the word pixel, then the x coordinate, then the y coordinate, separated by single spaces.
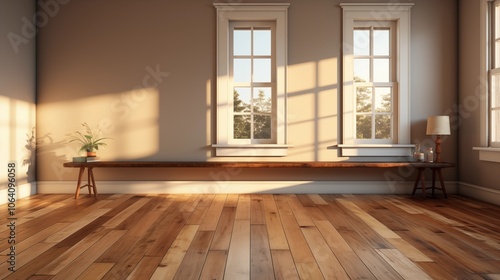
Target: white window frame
pixel 400 14
pixel 488 151
pixel 227 12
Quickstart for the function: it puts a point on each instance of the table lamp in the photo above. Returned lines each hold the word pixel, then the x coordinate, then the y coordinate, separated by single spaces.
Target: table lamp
pixel 438 125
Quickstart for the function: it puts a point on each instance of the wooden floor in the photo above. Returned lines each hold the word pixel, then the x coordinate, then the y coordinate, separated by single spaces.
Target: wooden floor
pixel 252 237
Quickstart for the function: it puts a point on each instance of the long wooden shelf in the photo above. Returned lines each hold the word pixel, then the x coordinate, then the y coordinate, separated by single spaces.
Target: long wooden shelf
pixel 255 164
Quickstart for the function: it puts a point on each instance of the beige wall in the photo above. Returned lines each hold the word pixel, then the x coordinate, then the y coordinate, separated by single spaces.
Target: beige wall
pixel 96 60
pixel 17 90
pixel 472 170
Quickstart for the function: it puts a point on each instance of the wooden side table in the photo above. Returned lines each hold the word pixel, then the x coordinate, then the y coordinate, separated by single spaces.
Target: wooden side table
pixel 436 169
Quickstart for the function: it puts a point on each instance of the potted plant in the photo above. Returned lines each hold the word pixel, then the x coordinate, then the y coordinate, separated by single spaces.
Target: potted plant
pixel 90 140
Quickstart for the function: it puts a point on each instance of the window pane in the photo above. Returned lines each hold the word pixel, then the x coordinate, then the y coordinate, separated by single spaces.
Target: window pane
pixel 364 127
pixel 361 70
pixel 383 127
pixel 496 55
pixel 242 42
pixel 361 42
pixel 262 127
pixel 242 99
pixel 363 99
pixel 262 101
pixel 381 70
pixel 242 70
pixel 383 99
pixel 381 42
pixel 262 70
pixel 497 21
pixel 241 127
pixel 495 126
pixel 495 90
pixel 262 42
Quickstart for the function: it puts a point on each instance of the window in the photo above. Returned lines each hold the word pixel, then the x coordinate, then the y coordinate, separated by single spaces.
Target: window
pixel 374 81
pixel 251 79
pixel 254 83
pixel 489 92
pixel 376 109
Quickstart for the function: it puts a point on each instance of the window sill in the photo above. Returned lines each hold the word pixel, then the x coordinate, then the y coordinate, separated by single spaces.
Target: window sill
pixel 381 150
pixel 488 154
pixel 252 150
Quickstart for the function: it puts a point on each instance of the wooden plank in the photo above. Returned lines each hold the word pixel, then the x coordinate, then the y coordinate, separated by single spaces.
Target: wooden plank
pixel 84 261
pixel 212 216
pixel 443 260
pixel 192 263
pixel 256 210
pixel 309 271
pixel 284 267
pixel 377 226
pixel 117 219
pixel 201 209
pixel 222 235
pixel 366 231
pixel 326 260
pixel 404 266
pixel 296 241
pixel 71 254
pixel 305 200
pixel 408 250
pixel 214 265
pixel 232 200
pixel 27 262
pixel 349 260
pixel 299 211
pixel 275 232
pixel 373 261
pixel 174 256
pixel 164 224
pixel 145 268
pixel 95 271
pixel 163 235
pixel 260 254
pixel 36 238
pixel 238 262
pixel 317 199
pixel 243 208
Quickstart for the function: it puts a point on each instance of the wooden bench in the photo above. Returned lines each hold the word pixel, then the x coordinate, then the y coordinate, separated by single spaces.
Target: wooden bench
pixel 420 166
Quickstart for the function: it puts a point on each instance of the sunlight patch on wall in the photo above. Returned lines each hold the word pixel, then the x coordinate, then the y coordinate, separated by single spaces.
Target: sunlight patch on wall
pixel 313 108
pixel 130 118
pixel 16 143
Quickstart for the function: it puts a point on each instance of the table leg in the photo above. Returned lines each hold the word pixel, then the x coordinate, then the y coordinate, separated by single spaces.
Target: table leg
pixel 77 193
pixel 442 183
pixel 433 180
pixel 94 186
pixel 420 178
pixel 89 185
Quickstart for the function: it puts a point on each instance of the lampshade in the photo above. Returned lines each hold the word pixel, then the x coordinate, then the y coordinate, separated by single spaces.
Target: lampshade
pixel 438 125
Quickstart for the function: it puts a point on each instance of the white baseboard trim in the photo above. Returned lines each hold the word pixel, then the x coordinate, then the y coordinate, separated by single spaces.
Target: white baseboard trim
pixel 22 191
pixel 155 187
pixel 479 192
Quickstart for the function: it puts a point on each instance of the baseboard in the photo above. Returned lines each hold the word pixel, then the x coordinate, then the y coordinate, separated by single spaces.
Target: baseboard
pixel 22 191
pixel 479 192
pixel 154 187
